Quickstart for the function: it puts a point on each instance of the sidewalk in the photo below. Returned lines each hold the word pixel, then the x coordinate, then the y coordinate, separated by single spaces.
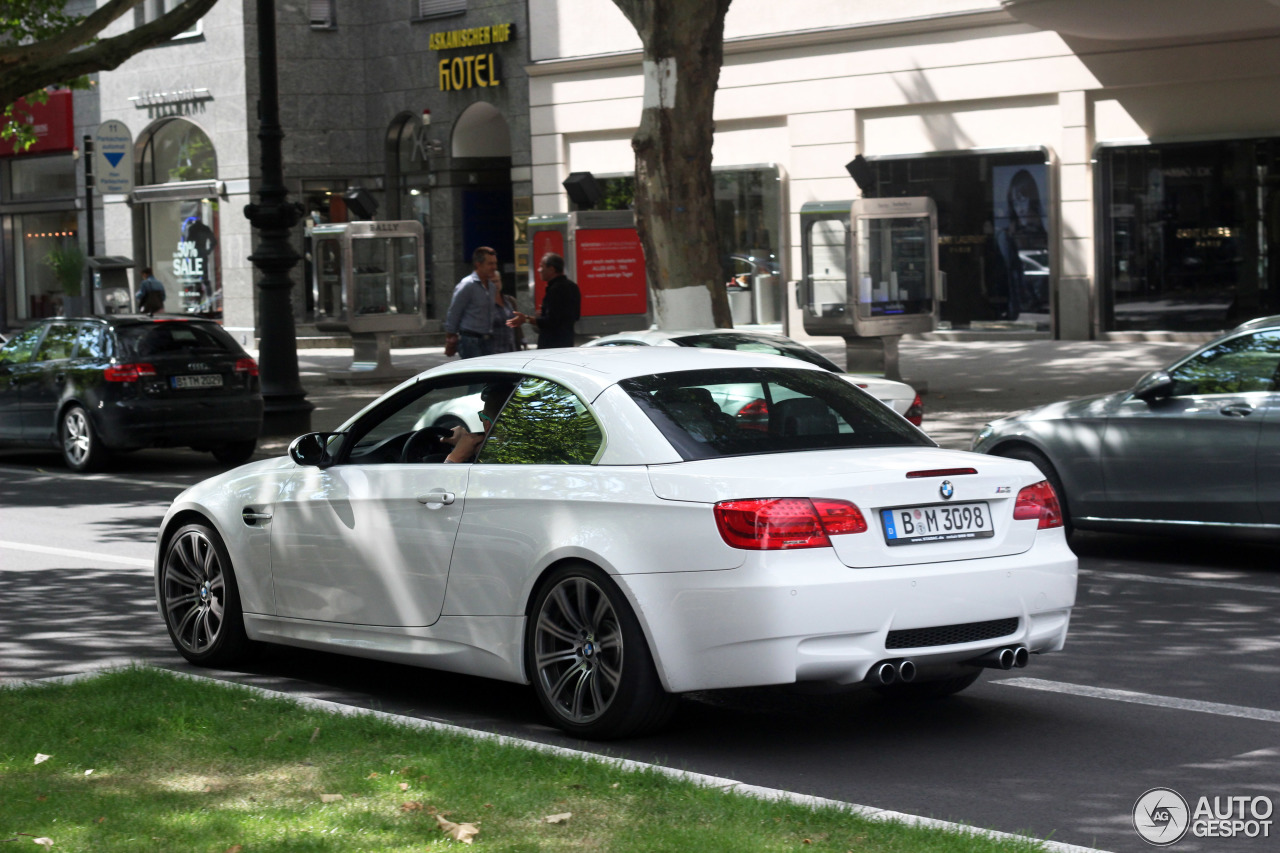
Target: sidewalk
pixel 964 383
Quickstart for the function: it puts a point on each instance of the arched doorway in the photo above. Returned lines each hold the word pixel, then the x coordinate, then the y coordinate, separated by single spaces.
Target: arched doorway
pixel 176 212
pixel 480 148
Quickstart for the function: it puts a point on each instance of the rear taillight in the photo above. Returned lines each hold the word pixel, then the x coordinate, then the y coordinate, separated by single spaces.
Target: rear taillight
pixel 754 415
pixel 128 372
pixel 1038 501
pixel 915 413
pixel 776 524
pixel 247 365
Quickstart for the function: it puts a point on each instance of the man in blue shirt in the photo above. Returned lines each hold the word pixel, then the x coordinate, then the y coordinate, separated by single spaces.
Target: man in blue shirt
pixel 150 293
pixel 469 324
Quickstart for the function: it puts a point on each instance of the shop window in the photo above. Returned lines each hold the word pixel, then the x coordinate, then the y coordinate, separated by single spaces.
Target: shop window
pixel 39 292
pixel 40 178
pixel 748 210
pixel 993 231
pixel 178 151
pixel 1189 233
pixel 426 9
pixel 182 242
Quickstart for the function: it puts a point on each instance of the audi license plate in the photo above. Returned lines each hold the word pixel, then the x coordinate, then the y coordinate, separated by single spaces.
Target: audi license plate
pixel 202 380
pixel 909 525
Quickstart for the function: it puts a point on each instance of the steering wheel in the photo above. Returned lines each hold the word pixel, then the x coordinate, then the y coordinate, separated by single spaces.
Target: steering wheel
pixel 422 443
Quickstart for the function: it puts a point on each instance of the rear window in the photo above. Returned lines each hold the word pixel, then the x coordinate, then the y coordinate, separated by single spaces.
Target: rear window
pixel 174 337
pixel 737 411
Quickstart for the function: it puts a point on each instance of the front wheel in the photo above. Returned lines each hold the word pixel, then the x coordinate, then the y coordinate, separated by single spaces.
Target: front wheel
pixel 82 449
pixel 200 600
pixel 588 659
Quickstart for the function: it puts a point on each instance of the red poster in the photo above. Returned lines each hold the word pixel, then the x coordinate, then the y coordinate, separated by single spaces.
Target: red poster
pixel 611 272
pixel 54 123
pixel 543 242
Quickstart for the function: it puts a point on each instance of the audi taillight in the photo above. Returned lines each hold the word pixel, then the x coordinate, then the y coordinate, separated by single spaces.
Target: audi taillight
pixel 1038 501
pixel 128 372
pixel 776 524
pixel 915 413
pixel 247 365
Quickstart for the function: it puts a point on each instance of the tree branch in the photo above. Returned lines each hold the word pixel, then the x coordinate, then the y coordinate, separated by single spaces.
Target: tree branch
pixel 69 39
pixel 103 56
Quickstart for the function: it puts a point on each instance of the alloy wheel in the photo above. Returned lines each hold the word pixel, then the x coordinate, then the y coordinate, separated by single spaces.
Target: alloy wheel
pixel 578 650
pixel 77 440
pixel 194 590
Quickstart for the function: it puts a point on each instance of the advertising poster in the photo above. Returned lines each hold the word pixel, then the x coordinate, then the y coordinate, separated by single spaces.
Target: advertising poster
pixel 544 242
pixel 611 272
pixel 1019 203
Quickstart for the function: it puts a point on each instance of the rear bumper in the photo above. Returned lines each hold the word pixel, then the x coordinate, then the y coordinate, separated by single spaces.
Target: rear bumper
pixel 804 616
pixel 133 424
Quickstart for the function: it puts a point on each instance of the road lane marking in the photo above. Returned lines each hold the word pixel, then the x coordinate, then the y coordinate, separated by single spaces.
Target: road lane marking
pixel 38 473
pixel 1125 576
pixel 90 556
pixel 1171 702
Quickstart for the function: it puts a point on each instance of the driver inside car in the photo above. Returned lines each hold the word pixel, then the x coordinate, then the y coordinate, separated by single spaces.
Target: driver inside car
pixel 465 444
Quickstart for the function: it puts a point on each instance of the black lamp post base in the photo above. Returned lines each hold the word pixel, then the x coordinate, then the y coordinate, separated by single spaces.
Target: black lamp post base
pixel 286 416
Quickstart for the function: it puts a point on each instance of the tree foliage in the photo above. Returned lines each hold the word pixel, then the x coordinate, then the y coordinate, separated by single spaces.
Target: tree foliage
pixel 42 46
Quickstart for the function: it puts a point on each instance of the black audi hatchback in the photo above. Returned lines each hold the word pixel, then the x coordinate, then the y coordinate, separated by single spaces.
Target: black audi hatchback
pixel 91 386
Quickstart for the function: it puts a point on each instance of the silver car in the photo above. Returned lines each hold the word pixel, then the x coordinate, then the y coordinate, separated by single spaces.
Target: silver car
pixel 1193 447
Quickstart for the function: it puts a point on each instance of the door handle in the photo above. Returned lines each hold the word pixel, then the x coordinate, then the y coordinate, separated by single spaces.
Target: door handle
pixel 1236 411
pixel 251 518
pixel 435 500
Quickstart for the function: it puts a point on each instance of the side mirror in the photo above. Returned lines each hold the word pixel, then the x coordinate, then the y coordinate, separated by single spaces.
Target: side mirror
pixel 1154 385
pixel 313 449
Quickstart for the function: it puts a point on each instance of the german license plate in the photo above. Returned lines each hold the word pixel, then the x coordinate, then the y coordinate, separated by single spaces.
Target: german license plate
pixel 200 380
pixel 910 525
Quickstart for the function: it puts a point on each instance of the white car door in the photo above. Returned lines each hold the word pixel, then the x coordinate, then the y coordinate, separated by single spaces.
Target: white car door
pixel 368 540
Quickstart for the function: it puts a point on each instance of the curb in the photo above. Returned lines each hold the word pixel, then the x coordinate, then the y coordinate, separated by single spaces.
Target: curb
pixel 700 779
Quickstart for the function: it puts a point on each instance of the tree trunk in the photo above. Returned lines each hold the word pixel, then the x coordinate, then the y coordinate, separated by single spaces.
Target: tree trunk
pixel 675 194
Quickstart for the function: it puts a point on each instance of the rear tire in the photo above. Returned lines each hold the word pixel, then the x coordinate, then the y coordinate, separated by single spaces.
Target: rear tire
pixel 82 450
pixel 1038 459
pixel 200 600
pixel 923 691
pixel 235 452
pixel 588 660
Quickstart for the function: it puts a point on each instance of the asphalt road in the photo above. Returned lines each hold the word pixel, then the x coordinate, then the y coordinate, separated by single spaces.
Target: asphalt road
pixel 1168 678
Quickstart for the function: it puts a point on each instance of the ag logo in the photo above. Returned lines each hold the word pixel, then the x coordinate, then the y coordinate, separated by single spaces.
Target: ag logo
pixel 1161 816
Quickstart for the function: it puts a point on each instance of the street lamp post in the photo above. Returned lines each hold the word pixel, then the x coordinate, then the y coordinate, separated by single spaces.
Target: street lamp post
pixel 286 410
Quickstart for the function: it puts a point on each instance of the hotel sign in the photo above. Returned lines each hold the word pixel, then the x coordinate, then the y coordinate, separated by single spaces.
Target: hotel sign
pixel 476 69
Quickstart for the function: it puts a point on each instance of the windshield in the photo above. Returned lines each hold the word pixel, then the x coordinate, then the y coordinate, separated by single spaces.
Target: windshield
pixel 749 343
pixel 747 410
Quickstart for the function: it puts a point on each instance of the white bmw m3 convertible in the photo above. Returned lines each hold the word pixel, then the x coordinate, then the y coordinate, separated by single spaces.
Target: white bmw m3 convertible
pixel 626 531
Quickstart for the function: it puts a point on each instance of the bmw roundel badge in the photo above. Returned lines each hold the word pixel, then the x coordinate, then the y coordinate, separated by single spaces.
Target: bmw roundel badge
pixel 946 490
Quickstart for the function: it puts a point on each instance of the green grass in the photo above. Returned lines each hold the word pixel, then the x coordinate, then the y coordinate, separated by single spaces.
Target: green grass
pixel 185 765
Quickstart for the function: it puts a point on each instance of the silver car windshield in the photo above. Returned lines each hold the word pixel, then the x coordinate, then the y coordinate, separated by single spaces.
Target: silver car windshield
pixel 740 411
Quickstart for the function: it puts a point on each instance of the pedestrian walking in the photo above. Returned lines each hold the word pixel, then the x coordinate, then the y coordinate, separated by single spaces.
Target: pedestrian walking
pixel 474 310
pixel 561 306
pixel 150 293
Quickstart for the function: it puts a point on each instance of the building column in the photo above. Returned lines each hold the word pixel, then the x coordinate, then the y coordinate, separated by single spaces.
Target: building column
pixel 1076 311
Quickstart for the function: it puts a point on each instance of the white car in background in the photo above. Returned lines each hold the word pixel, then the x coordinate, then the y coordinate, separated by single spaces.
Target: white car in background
pixel 618 540
pixel 898 396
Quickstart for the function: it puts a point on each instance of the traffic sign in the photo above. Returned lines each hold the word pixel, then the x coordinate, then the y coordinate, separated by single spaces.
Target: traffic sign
pixel 113 158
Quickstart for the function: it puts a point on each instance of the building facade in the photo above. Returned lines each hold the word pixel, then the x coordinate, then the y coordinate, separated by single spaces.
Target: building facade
pixel 1099 168
pixel 417 108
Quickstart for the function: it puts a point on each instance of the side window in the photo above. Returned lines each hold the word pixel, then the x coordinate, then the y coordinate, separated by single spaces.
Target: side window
pixel 1236 366
pixel 58 342
pixel 543 424
pixel 20 349
pixel 381 437
pixel 91 342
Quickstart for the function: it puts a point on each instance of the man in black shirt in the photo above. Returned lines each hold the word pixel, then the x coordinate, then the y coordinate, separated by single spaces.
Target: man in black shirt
pixel 561 306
